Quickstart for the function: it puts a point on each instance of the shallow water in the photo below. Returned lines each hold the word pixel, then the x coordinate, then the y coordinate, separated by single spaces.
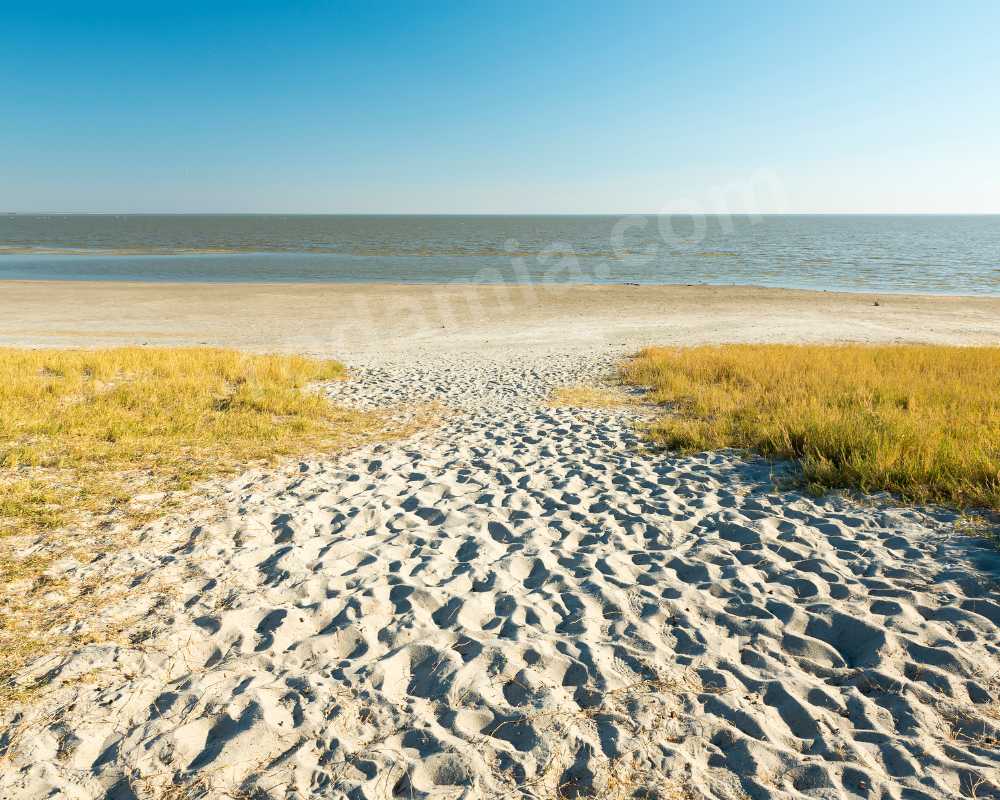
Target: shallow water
pixel 928 254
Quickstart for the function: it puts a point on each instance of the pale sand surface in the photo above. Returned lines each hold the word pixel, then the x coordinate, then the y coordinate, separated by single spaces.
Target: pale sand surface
pixel 523 601
pixel 347 319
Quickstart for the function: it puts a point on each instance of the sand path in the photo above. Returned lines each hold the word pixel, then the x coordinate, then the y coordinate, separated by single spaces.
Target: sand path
pixel 524 602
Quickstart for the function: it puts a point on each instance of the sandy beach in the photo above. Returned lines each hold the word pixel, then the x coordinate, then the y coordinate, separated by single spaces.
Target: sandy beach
pixel 522 600
pixel 341 320
pixel 499 401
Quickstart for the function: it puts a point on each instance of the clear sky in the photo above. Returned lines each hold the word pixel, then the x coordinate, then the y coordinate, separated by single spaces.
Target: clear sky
pixel 508 107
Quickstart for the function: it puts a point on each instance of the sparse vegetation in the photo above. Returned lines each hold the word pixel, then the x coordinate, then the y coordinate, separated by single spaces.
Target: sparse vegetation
pixel 919 421
pixel 590 397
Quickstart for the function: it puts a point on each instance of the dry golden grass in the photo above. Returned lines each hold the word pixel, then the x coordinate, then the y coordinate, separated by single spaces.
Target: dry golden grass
pixel 919 421
pixel 589 397
pixel 85 431
pixel 88 437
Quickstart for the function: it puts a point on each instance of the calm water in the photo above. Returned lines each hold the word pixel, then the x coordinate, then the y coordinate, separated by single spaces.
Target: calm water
pixel 933 254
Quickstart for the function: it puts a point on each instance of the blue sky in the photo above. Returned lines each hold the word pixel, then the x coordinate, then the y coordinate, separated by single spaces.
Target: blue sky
pixel 582 107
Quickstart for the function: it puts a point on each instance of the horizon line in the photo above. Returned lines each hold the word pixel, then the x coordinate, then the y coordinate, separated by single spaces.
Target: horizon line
pixel 502 213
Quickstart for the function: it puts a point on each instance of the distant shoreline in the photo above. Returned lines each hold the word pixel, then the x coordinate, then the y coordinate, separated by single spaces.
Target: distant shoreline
pixel 499 285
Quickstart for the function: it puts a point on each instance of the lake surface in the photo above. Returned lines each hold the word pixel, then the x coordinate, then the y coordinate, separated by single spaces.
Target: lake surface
pixel 926 254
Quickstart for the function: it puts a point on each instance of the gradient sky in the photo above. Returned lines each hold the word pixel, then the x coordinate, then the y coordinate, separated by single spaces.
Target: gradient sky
pixel 500 108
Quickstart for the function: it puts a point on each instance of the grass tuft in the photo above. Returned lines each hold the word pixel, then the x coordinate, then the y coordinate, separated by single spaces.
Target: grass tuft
pixel 922 422
pixel 589 397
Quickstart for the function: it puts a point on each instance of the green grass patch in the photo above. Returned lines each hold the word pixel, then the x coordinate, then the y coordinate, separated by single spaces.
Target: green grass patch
pixel 922 422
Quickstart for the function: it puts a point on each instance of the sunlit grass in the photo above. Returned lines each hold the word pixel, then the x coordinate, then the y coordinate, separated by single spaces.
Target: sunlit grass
pixel 84 431
pixel 589 397
pixel 919 421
